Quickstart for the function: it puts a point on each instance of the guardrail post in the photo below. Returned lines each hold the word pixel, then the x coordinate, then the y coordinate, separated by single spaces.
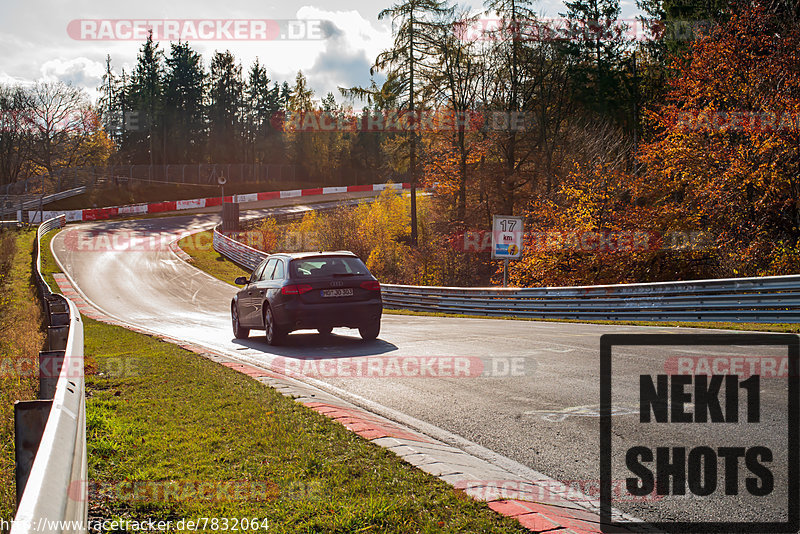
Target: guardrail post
pixel 57 337
pixel 50 364
pixel 30 418
pixel 58 324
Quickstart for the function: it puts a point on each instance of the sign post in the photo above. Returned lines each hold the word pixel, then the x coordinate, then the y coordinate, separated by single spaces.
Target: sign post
pixel 222 181
pixel 507 234
pixel 230 210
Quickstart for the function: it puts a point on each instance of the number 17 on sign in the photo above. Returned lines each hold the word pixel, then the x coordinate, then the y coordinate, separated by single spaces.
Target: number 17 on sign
pixel 507 233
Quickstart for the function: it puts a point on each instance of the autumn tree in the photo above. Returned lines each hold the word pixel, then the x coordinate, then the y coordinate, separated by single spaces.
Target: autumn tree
pixel 15 134
pixel 725 157
pixel 66 131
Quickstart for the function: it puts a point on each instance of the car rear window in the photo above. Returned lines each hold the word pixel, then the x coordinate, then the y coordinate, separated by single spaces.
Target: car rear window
pixel 327 266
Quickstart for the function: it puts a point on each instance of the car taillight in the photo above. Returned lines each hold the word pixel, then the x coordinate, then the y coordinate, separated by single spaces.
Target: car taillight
pixel 296 289
pixel 372 285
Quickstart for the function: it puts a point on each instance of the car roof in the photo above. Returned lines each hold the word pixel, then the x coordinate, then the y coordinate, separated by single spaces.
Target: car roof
pixel 303 255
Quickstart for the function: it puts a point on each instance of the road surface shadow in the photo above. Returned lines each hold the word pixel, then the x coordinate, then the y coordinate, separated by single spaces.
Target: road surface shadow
pixel 305 345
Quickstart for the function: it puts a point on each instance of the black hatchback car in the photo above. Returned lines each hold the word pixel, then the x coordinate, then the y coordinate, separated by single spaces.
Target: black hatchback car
pixel 319 290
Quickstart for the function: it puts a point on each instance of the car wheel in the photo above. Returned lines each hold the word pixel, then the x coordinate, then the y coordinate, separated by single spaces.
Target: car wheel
pixel 370 331
pixel 239 332
pixel 274 334
pixel 326 331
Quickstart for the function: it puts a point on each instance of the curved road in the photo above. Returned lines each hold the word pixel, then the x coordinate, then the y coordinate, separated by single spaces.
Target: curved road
pixel 544 417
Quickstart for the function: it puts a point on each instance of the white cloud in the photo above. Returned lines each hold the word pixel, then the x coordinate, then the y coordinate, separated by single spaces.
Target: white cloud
pixel 352 28
pixel 348 52
pixel 6 79
pixel 36 45
pixel 79 71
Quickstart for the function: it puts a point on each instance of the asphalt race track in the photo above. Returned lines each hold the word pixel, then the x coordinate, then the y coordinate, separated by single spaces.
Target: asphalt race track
pixel 539 409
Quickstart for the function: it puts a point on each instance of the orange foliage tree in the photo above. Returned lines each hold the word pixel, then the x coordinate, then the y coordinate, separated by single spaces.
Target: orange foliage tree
pixel 726 154
pixel 718 192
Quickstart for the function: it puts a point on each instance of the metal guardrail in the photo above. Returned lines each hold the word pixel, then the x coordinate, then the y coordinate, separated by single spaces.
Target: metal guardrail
pixel 769 299
pixel 774 299
pixel 14 204
pixel 55 484
pixel 239 253
pixel 249 257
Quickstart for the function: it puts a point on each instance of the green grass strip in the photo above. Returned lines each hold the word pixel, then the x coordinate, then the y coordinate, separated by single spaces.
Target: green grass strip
pixel 204 257
pixel 21 339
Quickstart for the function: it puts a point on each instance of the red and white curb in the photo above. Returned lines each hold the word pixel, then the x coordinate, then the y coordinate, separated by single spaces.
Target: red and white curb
pixel 178 251
pixel 97 214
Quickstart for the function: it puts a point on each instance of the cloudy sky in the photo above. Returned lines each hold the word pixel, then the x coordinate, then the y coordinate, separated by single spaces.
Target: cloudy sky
pixel 42 40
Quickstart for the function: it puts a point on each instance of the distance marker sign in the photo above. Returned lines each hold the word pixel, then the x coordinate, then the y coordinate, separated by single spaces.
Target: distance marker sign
pixel 507 233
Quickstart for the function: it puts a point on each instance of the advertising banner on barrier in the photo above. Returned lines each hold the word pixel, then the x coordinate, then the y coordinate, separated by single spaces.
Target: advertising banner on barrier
pixel 96 214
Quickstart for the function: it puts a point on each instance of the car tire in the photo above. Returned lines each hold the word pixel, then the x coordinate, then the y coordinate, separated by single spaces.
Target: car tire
pixel 274 334
pixel 370 331
pixel 325 331
pixel 239 332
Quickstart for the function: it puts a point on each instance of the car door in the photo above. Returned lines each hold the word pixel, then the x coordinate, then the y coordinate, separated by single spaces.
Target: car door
pixel 249 299
pixel 268 287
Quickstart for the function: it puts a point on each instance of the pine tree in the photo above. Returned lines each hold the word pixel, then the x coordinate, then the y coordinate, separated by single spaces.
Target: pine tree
pixel 109 104
pixel 145 100
pixel 184 90
pixel 596 42
pixel 262 104
pixel 226 97
pixel 301 141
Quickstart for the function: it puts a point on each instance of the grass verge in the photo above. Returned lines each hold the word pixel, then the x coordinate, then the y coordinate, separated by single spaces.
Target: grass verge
pixel 209 260
pixel 21 338
pixel 49 265
pixel 172 435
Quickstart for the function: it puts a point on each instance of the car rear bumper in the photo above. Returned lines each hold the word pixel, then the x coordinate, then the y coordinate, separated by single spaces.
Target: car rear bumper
pixel 296 315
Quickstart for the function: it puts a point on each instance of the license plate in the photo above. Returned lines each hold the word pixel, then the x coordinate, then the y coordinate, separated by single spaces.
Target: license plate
pixel 346 292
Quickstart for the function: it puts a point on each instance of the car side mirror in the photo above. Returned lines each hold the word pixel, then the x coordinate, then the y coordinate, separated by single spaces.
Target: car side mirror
pixel 241 281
